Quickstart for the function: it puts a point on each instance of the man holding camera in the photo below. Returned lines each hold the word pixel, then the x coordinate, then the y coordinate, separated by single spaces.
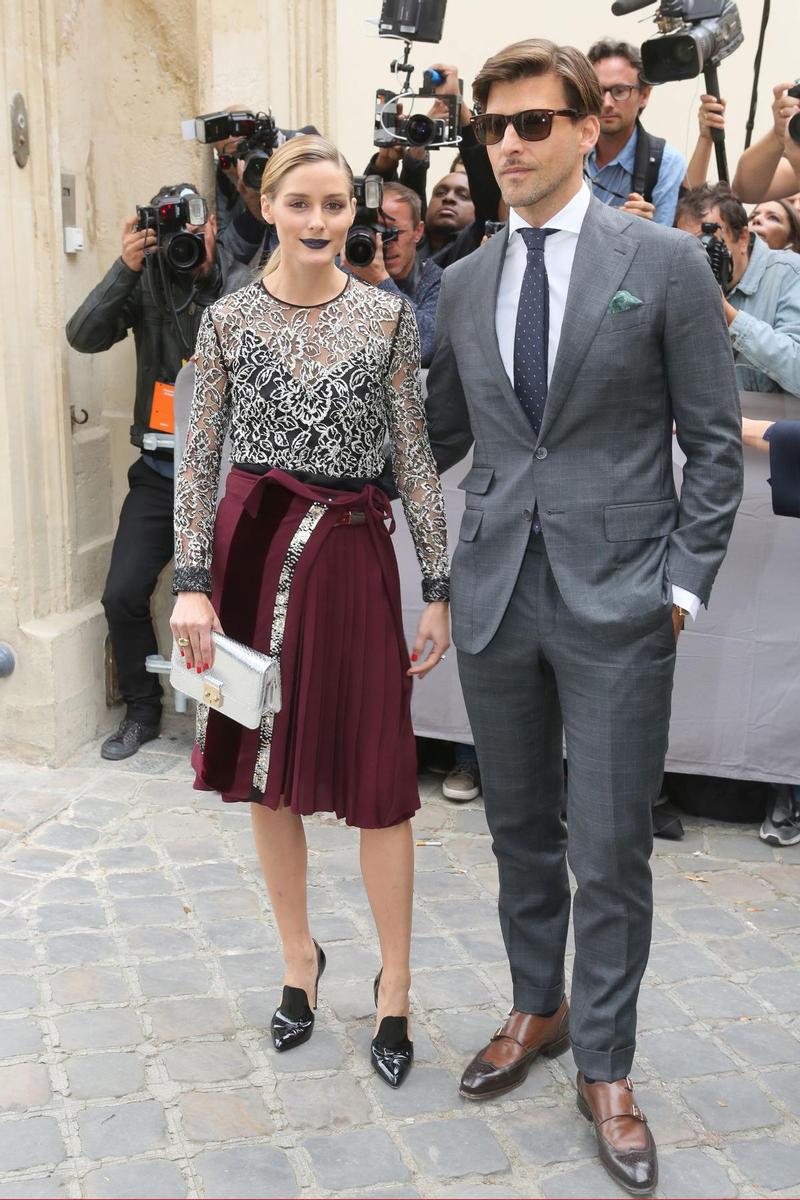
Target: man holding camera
pixel 761 289
pixel 148 290
pixel 629 168
pixel 396 266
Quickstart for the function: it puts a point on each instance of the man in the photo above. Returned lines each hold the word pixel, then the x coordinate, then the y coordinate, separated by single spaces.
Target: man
pixel 762 300
pixel 143 545
pixel 450 210
pixel 396 266
pixel 628 167
pixel 781 439
pixel 566 347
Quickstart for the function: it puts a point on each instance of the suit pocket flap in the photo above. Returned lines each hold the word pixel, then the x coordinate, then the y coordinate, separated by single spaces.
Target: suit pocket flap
pixel 477 480
pixel 470 524
pixel 632 522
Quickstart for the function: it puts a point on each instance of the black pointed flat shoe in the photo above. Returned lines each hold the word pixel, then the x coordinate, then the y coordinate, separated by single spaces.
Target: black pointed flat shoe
pixel 293 1022
pixel 391 1053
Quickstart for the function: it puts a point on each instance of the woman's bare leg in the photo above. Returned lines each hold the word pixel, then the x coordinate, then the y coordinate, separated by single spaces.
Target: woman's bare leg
pixel 281 844
pixel 387 865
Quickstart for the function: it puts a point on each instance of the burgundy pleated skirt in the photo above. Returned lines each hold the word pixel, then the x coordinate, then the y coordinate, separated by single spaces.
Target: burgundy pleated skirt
pixel 310 574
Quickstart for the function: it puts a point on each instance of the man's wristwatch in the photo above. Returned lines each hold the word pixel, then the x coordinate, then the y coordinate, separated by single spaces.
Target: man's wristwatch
pixel 683 613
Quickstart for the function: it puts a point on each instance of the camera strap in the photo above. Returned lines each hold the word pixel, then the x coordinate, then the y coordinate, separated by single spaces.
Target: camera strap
pixel 647 162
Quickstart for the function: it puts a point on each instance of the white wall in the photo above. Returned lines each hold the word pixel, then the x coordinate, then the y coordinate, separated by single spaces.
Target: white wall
pixel 474 29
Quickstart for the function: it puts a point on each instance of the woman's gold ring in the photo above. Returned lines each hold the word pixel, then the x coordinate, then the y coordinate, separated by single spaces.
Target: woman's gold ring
pixel 183 641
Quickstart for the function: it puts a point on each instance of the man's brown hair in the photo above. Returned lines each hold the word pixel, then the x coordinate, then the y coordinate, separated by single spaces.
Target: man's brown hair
pixel 409 197
pixel 537 56
pixel 699 201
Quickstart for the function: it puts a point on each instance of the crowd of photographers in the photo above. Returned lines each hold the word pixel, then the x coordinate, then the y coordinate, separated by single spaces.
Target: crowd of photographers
pixel 177 257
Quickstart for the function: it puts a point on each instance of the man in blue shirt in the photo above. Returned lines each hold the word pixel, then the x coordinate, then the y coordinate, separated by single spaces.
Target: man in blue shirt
pixel 612 164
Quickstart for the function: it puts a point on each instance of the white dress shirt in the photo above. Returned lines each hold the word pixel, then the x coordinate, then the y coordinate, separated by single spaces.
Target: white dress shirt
pixel 559 255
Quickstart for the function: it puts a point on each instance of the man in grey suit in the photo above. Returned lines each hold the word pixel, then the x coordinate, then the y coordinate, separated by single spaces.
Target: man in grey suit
pixel 566 348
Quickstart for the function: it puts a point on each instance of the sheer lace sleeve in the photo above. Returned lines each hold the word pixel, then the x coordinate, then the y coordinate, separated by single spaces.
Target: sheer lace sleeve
pixel 412 460
pixel 198 479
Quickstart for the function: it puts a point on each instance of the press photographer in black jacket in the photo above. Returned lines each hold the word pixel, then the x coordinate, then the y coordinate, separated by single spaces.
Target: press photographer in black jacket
pixel 162 306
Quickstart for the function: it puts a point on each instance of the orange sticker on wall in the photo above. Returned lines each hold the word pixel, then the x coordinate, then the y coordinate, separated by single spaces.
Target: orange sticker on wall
pixel 162 411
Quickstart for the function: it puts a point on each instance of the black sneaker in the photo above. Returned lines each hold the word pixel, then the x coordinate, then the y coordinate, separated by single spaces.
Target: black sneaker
pixel 782 823
pixel 130 736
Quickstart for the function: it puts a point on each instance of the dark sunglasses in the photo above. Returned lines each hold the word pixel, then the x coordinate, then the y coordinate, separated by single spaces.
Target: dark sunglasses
pixel 532 124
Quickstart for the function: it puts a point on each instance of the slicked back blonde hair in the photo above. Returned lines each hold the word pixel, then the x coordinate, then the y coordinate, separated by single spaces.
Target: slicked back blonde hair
pixel 299 151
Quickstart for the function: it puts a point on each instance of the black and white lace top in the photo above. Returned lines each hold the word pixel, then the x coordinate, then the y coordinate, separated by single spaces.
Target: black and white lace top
pixel 309 389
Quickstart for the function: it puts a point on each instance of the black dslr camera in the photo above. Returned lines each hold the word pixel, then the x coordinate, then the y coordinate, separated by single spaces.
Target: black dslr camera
pixel 168 215
pixel 260 137
pixel 362 238
pixel 718 253
pixel 794 123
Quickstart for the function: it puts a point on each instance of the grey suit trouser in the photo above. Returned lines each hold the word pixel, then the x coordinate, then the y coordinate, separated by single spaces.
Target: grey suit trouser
pixel 543 672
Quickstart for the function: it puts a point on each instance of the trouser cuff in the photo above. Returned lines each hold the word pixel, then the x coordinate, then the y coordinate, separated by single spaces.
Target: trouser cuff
pixel 537 1000
pixel 602 1065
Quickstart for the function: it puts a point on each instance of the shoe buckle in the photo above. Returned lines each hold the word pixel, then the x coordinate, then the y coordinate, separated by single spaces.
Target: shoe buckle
pixel 498 1033
pixel 638 1114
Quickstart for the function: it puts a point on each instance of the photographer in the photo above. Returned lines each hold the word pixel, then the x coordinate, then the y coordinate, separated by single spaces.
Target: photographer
pixel 761 290
pixel 628 168
pixel 162 304
pixel 396 266
pixel 770 169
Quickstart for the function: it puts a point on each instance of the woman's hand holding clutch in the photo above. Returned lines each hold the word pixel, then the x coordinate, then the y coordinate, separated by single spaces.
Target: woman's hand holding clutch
pixel 193 619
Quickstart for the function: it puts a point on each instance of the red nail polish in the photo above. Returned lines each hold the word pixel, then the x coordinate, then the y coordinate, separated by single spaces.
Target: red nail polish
pixel 205 666
pixel 189 665
pixel 414 657
pixel 199 670
pixel 183 654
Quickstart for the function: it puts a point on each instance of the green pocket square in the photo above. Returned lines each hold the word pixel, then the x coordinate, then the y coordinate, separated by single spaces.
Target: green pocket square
pixel 622 301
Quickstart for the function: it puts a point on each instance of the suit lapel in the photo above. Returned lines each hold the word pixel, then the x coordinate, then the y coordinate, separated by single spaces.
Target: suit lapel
pixel 485 286
pixel 602 259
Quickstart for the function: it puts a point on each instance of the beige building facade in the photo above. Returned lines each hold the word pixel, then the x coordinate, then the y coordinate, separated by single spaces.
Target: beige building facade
pixel 105 85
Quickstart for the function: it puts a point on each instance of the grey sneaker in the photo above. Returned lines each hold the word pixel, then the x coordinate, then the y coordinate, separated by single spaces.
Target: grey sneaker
pixel 782 823
pixel 130 736
pixel 462 782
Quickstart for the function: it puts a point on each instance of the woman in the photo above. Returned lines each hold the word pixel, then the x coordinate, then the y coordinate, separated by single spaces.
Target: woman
pixel 307 368
pixel 777 223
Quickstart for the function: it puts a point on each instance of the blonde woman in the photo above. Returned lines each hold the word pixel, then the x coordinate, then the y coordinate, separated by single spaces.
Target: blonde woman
pixel 308 369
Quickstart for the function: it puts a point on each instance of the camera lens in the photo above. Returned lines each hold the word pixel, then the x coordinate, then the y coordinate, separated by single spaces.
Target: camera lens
pixel 361 246
pixel 794 128
pixel 254 169
pixel 185 251
pixel 420 130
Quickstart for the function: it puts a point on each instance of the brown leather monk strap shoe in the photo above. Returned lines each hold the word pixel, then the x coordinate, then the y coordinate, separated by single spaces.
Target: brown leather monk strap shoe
pixel 626 1145
pixel 505 1062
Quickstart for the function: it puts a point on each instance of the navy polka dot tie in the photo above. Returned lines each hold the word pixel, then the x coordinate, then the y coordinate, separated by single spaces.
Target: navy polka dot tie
pixel 531 336
pixel 533 329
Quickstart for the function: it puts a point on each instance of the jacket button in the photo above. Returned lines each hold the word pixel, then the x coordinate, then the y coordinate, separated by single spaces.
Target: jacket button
pixel 527 515
pixel 541 452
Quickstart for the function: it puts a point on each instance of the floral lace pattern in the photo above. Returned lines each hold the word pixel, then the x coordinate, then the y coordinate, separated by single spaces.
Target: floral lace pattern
pixel 309 389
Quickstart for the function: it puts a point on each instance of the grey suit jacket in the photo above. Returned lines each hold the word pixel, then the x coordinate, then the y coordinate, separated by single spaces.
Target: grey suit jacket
pixel 601 469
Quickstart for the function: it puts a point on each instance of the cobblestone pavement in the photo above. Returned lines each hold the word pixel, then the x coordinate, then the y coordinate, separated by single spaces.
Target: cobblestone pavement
pixel 139 967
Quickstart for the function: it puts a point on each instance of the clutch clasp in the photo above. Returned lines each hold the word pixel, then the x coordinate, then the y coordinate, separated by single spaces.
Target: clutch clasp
pixel 212 693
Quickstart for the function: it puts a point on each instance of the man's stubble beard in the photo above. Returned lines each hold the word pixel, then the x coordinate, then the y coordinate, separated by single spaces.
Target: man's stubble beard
pixel 538 189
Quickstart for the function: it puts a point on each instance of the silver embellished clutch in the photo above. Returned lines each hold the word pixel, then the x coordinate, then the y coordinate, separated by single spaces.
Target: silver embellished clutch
pixel 241 683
